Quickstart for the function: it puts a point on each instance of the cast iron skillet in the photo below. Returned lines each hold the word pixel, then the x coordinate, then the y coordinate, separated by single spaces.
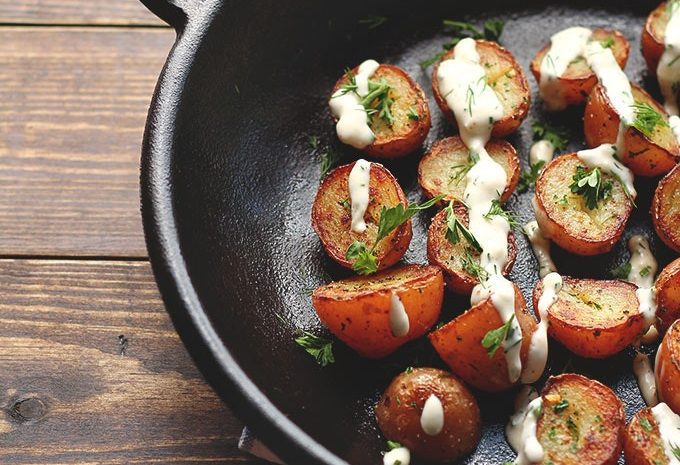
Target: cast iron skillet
pixel 228 180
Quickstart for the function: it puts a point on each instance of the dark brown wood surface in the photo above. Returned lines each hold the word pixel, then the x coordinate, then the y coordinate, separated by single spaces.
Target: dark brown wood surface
pixel 91 369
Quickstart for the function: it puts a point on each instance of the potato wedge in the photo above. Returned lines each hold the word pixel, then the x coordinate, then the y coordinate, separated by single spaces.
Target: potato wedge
pixel 666 209
pixel 442 170
pixel 505 76
pixel 653 36
pixel 582 422
pixel 594 318
pixel 400 407
pixel 667 287
pixel 642 444
pixel 459 344
pixel 452 257
pixel 357 309
pixel 564 216
pixel 410 111
pixel 332 218
pixel 645 156
pixel 667 368
pixel 578 79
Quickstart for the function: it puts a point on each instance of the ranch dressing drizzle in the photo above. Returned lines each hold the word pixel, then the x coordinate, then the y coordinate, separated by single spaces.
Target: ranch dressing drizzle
pixel 462 81
pixel 432 417
pixel 352 126
pixel 399 323
pixel 541 247
pixel 529 449
pixel 668 69
pixel 642 262
pixel 674 123
pixel 644 374
pixel 398 456
pixel 565 47
pixel 358 183
pixel 542 150
pixel 603 157
pixel 669 430
pixel 513 430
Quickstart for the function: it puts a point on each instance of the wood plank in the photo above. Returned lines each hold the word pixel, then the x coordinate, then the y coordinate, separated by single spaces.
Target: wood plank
pixel 118 12
pixel 73 391
pixel 73 102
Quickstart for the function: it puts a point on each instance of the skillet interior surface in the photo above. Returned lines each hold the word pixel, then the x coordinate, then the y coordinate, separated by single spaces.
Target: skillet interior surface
pixel 243 177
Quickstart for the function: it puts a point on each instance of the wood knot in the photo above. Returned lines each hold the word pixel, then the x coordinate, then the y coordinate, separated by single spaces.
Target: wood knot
pixel 28 409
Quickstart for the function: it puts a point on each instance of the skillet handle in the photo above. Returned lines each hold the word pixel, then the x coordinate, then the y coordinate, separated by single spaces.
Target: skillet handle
pixel 172 12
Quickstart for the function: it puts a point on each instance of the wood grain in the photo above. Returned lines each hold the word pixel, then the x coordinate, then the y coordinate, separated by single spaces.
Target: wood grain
pixel 73 102
pixel 73 391
pixel 116 12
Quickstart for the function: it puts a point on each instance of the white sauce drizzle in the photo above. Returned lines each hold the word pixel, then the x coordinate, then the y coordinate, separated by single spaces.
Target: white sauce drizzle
pixel 674 123
pixel 542 150
pixel 541 247
pixel 432 417
pixel 669 430
pixel 615 82
pixel 513 430
pixel 668 69
pixel 462 81
pixel 644 374
pixel 399 323
pixel 565 47
pixel 352 126
pixel 529 449
pixel 603 157
pixel 398 456
pixel 358 183
pixel 642 261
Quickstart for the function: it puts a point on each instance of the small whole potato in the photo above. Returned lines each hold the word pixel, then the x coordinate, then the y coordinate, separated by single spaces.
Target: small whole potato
pixel 400 407
pixel 667 368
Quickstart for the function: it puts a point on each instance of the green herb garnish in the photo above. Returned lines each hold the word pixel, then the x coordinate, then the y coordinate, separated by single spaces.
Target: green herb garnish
pixel 528 178
pixel 608 42
pixel 373 21
pixel 675 449
pixel 561 405
pixel 458 172
pixel 391 445
pixel 329 159
pixel 472 267
pixel 318 347
pixel 621 271
pixel 455 229
pixel 646 425
pixel 645 271
pixel 498 210
pixel 492 30
pixel 588 183
pixel 377 101
pixel 647 118
pixel 494 338
pixel 556 135
pixel 413 114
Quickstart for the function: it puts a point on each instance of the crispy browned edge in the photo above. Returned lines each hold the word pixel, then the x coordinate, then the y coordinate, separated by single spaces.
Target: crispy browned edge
pixel 640 446
pixel 668 231
pixel 651 42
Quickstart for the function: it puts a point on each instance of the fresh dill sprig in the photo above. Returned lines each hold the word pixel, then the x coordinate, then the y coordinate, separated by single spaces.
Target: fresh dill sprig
pixel 621 271
pixel 492 30
pixel 318 347
pixel 371 22
pixel 493 340
pixel 498 210
pixel 329 159
pixel 313 142
pixel 472 267
pixel 455 229
pixel 528 178
pixel 413 114
pixel 647 119
pixel 378 100
pixel 391 445
pixel 608 42
pixel 646 425
pixel 561 405
pixel 676 450
pixel 556 135
pixel 458 172
pixel 588 183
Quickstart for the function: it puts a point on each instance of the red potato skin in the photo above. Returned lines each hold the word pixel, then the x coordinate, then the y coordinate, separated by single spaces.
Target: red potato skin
pixel 640 446
pixel 653 36
pixel 667 368
pixel 667 287
pixel 665 214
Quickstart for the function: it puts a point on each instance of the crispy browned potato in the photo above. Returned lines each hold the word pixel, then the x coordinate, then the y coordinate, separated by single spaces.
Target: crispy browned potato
pixel 332 218
pixel 594 318
pixel 653 36
pixel 410 111
pixel 452 258
pixel 582 422
pixel 442 170
pixel 645 156
pixel 667 368
pixel 667 287
pixel 357 310
pixel 505 76
pixel 642 443
pixel 459 344
pixel 666 209
pixel 399 409
pixel 578 79
pixel 564 217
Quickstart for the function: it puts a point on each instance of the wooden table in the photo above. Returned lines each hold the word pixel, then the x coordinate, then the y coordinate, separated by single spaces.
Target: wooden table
pixel 91 369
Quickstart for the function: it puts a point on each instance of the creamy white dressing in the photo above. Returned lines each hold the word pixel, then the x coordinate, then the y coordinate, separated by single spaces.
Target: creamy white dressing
pixel 565 47
pixel 513 430
pixel 398 456
pixel 604 157
pixel 529 449
pixel 399 323
pixel 669 430
pixel 643 268
pixel 432 417
pixel 668 69
pixel 644 374
pixel 352 126
pixel 542 150
pixel 475 105
pixel 674 123
pixel 358 183
pixel 541 247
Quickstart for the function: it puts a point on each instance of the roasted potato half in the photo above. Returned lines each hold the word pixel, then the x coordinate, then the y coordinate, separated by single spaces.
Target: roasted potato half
pixel 359 310
pixel 454 258
pixel 507 79
pixel 594 318
pixel 459 344
pixel 409 109
pixel 442 170
pixel 582 422
pixel 332 216
pixel 666 209
pixel 564 216
pixel 667 368
pixel 642 443
pixel 653 36
pixel 645 156
pixel 400 408
pixel 578 79
pixel 667 287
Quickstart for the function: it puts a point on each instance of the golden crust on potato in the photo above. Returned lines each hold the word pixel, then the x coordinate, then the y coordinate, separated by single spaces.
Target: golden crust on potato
pixel 357 309
pixel 442 169
pixel 332 218
pixel 459 344
pixel 399 409
pixel 408 131
pixel 642 443
pixel 564 217
pixel 667 368
pixel 653 37
pixel 507 79
pixel 578 79
pixel 450 257
pixel 582 422
pixel 667 287
pixel 645 156
pixel 594 318
pixel 666 209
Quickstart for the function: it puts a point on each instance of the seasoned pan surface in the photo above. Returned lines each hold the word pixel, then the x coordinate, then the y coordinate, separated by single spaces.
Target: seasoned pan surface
pixel 228 180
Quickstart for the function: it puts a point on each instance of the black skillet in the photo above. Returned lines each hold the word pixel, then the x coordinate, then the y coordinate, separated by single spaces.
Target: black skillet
pixel 228 179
